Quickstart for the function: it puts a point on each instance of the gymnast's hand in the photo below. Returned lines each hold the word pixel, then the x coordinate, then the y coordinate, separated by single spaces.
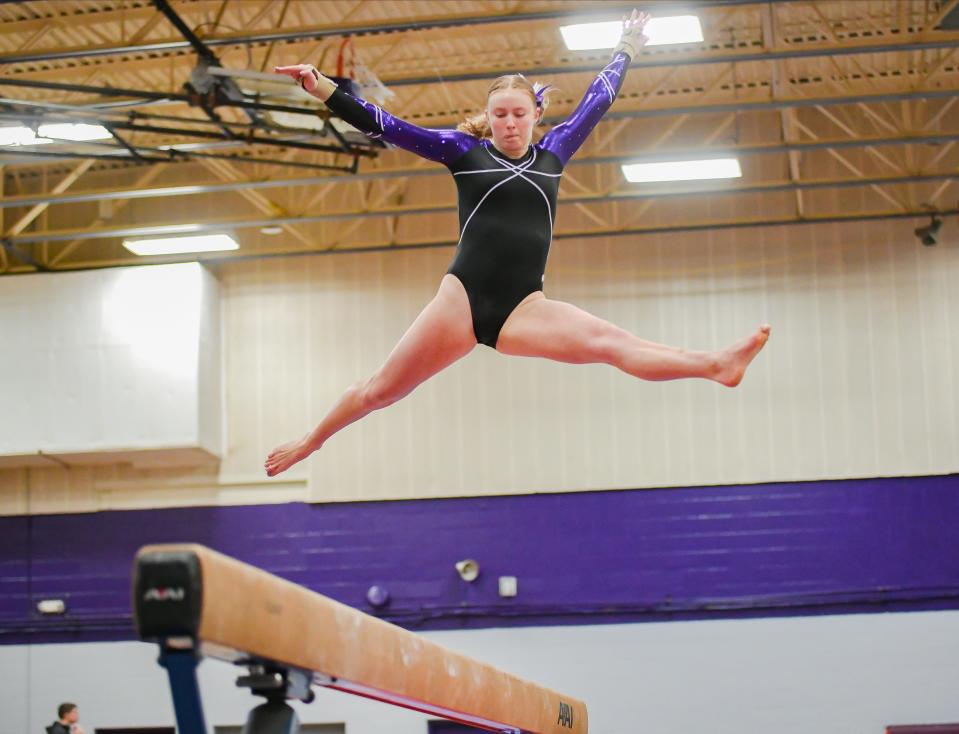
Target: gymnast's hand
pixel 633 38
pixel 310 79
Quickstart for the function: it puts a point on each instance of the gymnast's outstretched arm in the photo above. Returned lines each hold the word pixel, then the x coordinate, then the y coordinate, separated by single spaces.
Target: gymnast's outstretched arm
pixel 442 146
pixel 566 138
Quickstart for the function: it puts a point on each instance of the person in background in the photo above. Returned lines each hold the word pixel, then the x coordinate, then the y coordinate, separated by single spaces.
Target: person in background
pixel 68 716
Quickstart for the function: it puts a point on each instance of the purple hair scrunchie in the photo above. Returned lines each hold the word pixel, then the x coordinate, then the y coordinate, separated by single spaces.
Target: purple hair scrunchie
pixel 538 93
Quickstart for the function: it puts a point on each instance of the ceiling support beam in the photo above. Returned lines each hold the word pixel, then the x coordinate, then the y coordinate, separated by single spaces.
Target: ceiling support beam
pixel 710 226
pixel 39 208
pixel 380 211
pixel 267 206
pixel 652 152
pixel 145 179
pixel 337 31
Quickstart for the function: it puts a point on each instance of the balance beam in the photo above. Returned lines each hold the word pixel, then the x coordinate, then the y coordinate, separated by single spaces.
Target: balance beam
pixel 196 602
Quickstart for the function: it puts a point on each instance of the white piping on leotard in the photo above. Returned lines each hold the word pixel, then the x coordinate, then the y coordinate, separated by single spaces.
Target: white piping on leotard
pixel 609 86
pixel 560 135
pixel 517 170
pixel 379 121
pixel 497 170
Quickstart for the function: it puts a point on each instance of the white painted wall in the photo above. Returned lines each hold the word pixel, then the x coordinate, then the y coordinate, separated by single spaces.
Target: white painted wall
pixel 105 361
pixel 830 675
pixel 858 380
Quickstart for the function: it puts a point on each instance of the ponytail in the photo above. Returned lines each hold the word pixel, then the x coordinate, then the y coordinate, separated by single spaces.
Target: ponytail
pixel 477 126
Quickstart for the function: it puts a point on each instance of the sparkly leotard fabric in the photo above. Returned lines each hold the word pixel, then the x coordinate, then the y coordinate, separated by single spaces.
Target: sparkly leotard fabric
pixel 507 206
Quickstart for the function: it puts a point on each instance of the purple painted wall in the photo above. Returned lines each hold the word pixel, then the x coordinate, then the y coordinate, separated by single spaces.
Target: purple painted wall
pixel 801 548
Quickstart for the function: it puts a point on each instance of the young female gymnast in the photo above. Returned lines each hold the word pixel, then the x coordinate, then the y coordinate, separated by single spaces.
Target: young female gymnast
pixel 493 291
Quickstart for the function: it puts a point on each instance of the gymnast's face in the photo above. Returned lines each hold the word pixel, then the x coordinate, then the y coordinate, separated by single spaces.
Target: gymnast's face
pixel 512 117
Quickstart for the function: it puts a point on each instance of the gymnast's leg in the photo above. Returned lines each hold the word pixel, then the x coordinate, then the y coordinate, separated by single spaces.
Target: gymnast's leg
pixel 441 334
pixel 540 327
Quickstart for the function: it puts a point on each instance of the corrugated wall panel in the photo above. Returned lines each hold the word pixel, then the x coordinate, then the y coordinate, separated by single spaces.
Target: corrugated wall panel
pixel 857 381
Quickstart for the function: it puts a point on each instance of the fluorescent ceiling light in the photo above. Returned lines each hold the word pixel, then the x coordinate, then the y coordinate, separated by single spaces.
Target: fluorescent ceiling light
pixel 166 229
pixel 660 31
pixel 69 131
pixel 674 29
pixel 20 136
pixel 174 245
pixel 682 170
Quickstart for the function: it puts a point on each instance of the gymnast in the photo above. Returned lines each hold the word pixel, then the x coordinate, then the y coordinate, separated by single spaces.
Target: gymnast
pixel 493 291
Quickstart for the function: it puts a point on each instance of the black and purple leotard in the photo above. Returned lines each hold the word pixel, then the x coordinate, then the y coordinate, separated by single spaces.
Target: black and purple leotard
pixel 506 206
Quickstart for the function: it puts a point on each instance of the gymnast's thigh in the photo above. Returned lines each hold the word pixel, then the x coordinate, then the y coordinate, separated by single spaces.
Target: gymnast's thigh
pixel 440 335
pixel 542 327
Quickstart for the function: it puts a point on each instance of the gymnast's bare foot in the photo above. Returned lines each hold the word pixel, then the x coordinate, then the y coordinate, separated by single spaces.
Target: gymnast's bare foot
pixel 734 360
pixel 283 457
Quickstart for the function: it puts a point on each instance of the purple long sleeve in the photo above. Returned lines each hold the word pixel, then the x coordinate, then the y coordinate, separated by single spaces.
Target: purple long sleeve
pixel 442 146
pixel 566 138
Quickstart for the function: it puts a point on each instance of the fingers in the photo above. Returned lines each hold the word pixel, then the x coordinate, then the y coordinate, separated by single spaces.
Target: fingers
pixel 296 71
pixel 290 71
pixel 305 74
pixel 635 19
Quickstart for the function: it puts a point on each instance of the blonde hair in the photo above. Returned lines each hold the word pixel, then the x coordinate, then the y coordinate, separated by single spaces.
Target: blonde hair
pixel 478 125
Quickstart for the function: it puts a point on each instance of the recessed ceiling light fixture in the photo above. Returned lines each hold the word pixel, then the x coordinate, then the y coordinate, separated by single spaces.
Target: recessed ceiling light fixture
pixel 698 170
pixel 606 34
pixel 176 245
pixel 22 135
